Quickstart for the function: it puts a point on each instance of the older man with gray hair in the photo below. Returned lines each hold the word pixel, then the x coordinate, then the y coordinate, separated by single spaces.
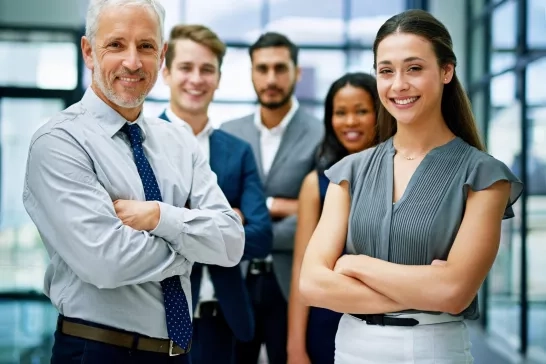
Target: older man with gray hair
pixel 124 204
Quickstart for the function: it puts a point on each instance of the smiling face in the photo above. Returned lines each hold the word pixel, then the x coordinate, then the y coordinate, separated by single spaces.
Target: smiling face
pixel 353 118
pixel 409 80
pixel 193 77
pixel 125 57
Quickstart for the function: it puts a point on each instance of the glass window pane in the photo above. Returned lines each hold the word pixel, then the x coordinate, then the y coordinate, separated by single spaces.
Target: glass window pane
pixel 502 61
pixel 308 21
pixel 86 77
pixel 23 259
pixel 360 61
pixel 536 23
pixel 503 90
pixel 476 69
pixel 477 6
pixel 173 14
pixel 220 113
pixel 504 25
pixel 319 70
pixel 39 65
pixel 317 110
pixel 368 15
pixel 159 91
pixel 504 144
pixel 479 106
pixel 536 213
pixel 236 81
pixel 232 21
pixel 154 108
pixel 536 75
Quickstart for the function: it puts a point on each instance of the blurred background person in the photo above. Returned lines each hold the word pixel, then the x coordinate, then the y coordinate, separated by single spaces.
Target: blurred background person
pixel 221 305
pixel 284 138
pixel 350 126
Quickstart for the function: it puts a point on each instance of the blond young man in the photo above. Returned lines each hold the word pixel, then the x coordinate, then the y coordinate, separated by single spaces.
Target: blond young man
pixel 222 308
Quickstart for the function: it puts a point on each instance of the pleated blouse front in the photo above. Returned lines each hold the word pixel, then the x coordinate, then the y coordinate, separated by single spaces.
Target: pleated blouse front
pixel 422 225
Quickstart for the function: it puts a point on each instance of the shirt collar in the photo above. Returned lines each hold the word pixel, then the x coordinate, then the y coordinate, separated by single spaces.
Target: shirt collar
pixel 207 130
pixel 284 122
pixel 109 119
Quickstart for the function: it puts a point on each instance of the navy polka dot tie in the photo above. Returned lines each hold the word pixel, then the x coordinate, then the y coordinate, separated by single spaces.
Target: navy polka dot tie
pixel 179 326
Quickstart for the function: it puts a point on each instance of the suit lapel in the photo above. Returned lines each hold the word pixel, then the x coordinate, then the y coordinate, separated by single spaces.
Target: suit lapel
pixel 218 157
pixel 253 138
pixel 294 134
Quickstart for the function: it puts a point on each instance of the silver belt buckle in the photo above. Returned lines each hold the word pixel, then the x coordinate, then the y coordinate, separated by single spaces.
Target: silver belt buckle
pixel 171 346
pixel 254 271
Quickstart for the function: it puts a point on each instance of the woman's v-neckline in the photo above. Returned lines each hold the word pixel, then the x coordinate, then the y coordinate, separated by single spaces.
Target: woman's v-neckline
pixel 414 177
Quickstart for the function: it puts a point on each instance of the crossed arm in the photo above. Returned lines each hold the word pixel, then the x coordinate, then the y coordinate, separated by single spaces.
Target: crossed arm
pixel 389 287
pixel 85 230
pixel 319 284
pixel 206 231
pixel 284 214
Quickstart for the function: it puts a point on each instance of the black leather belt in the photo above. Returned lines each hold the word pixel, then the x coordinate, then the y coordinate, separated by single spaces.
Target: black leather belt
pixel 118 338
pixel 384 320
pixel 209 309
pixel 257 267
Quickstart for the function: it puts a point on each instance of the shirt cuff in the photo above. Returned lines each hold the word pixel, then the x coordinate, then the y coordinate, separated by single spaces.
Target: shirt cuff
pixel 171 222
pixel 269 202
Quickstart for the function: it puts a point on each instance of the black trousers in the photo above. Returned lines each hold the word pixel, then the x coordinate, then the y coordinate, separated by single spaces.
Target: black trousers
pixel 321 335
pixel 213 341
pixel 71 350
pixel 271 315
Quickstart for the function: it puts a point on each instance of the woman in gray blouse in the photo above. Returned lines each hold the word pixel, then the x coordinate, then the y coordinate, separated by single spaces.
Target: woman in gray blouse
pixel 419 215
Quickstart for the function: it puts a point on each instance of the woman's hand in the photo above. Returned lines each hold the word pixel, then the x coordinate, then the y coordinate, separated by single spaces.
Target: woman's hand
pixel 298 357
pixel 346 264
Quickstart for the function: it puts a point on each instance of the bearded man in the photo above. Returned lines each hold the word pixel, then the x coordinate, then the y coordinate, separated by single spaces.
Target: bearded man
pixel 284 138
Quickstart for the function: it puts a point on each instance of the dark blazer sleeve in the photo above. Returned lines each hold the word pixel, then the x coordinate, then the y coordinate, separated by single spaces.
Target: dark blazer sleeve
pixel 284 233
pixel 258 227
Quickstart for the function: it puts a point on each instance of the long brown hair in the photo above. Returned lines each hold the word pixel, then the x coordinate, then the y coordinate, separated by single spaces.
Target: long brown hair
pixel 456 108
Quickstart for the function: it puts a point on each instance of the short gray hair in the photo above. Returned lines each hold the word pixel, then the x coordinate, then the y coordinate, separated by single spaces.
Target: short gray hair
pixel 96 7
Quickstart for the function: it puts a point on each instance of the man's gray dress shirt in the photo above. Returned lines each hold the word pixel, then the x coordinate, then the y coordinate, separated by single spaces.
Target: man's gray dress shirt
pixel 101 270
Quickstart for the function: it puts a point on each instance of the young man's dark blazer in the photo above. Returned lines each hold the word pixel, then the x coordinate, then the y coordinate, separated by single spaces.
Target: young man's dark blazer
pixel 233 162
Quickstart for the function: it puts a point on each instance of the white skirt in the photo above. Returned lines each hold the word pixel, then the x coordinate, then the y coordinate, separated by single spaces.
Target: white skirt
pixel 442 343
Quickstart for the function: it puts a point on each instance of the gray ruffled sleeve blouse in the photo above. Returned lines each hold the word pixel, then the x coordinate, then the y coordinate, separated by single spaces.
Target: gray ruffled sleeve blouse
pixel 423 224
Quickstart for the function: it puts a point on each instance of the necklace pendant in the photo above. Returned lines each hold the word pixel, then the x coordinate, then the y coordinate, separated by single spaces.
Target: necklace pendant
pixel 410 158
